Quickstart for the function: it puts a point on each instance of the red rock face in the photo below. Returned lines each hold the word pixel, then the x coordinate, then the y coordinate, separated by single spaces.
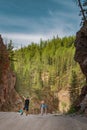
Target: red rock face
pixel 8 95
pixel 81 57
pixel 81 48
pixel 4 60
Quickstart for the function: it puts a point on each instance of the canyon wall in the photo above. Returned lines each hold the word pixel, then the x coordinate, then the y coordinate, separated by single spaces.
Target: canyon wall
pixel 81 58
pixel 9 98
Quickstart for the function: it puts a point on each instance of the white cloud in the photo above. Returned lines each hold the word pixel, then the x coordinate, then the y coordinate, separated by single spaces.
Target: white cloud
pixel 21 36
pixel 22 39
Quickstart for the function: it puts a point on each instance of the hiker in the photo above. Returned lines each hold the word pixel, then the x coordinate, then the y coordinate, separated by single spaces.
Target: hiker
pixel 42 107
pixel 26 104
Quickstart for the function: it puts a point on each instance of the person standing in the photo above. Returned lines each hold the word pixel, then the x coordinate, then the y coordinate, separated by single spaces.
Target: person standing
pixel 42 107
pixel 26 104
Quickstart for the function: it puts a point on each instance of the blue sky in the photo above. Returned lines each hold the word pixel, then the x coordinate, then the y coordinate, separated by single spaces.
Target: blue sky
pixel 26 21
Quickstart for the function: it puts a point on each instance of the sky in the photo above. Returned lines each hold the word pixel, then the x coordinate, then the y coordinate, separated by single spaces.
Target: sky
pixel 26 21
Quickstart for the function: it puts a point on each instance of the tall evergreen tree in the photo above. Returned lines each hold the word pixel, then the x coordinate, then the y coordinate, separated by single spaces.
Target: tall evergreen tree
pixel 10 48
pixel 83 10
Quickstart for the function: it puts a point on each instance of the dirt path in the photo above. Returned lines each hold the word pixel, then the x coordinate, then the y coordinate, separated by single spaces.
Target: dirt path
pixel 14 121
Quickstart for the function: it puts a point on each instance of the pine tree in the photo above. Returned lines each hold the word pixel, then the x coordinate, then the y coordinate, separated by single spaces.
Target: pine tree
pixel 11 53
pixel 83 10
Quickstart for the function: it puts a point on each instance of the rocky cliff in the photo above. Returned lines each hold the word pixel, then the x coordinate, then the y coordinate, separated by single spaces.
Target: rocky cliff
pixel 81 58
pixel 9 99
pixel 81 48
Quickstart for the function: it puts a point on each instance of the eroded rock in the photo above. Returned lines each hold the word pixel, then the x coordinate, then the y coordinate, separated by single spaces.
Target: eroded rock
pixel 81 48
pixel 8 95
pixel 81 58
